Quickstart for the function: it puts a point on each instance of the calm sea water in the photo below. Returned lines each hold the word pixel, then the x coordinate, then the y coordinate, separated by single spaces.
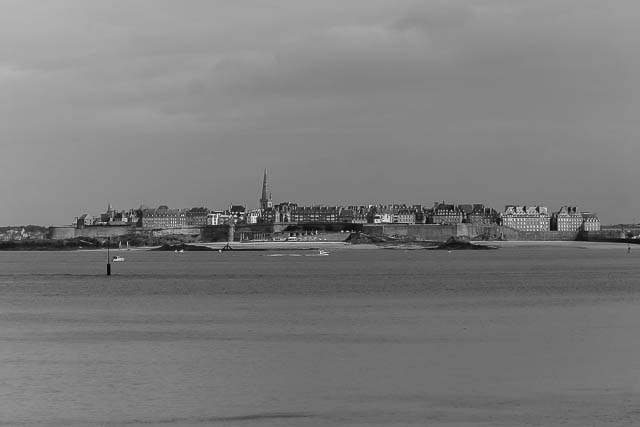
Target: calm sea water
pixel 516 337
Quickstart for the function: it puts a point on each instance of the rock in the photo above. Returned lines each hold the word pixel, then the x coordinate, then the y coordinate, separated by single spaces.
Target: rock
pixel 453 244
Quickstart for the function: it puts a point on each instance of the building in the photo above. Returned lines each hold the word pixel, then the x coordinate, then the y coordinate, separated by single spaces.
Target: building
pixel 353 214
pixel 420 213
pixel 197 216
pixel 482 215
pixel 281 212
pixel 218 218
pixel 238 213
pixel 311 214
pixel 568 218
pixel 590 222
pixel 108 216
pixel 404 216
pixel 360 215
pixel 84 220
pixel 163 217
pixel 270 216
pixel 443 213
pixel 526 218
pixel 346 215
pixel 253 216
pixel 380 215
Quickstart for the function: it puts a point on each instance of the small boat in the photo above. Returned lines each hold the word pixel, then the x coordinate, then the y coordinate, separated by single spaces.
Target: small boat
pixel 117 259
pixel 320 253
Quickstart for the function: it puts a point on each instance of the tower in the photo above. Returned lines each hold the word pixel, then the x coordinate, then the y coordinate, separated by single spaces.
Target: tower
pixel 265 200
pixel 110 213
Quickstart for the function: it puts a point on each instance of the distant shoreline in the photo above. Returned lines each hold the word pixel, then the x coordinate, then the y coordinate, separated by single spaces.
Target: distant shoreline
pixel 22 246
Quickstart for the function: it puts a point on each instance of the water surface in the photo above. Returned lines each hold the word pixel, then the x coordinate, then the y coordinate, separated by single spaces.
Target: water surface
pixel 523 336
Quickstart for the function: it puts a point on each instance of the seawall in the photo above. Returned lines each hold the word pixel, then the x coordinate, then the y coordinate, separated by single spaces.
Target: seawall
pixel 68 232
pixel 435 232
pixel 249 232
pixel 209 233
pixel 603 235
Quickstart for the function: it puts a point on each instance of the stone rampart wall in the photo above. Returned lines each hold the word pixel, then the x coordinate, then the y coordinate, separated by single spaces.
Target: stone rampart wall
pixel 60 233
pixel 547 235
pixel 604 235
pixel 103 231
pixel 69 232
pixel 334 231
pixel 435 232
pixel 115 231
pixel 193 231
pixel 419 231
pixel 215 233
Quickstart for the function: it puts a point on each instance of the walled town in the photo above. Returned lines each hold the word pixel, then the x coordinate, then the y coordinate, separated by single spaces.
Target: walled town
pixel 289 221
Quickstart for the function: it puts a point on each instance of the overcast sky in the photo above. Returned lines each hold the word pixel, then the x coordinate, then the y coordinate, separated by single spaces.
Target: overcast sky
pixel 185 102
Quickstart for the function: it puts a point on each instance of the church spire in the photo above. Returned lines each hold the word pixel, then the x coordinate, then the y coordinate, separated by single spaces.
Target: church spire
pixel 265 199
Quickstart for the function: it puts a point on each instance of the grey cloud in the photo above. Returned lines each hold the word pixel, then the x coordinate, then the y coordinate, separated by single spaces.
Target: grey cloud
pixel 437 17
pixel 499 88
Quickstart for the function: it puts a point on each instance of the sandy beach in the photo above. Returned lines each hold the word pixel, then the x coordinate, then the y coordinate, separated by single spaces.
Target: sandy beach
pixel 366 246
pixel 287 245
pixel 555 244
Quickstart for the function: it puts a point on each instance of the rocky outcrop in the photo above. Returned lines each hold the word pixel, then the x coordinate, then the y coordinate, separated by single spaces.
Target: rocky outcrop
pixel 454 244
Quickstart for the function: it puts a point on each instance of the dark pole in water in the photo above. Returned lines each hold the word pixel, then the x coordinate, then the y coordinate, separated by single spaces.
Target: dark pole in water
pixel 230 232
pixel 108 258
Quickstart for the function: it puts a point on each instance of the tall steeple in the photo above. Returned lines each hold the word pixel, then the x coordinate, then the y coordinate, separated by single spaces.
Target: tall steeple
pixel 265 199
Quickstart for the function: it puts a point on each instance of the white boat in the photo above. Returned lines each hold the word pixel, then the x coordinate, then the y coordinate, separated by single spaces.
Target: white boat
pixel 320 253
pixel 117 259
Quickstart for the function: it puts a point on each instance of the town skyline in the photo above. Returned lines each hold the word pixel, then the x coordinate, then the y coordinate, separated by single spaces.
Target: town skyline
pixel 259 201
pixel 364 101
pixel 266 201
